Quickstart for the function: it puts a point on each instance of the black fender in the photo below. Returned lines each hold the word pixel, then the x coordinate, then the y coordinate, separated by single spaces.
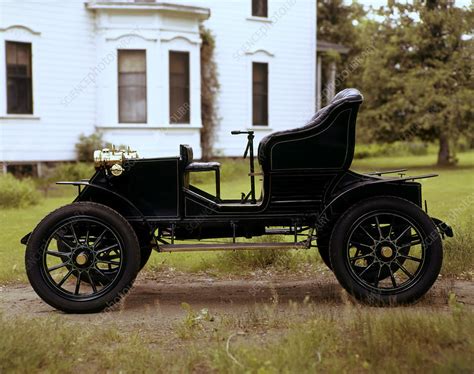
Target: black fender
pixel 443 228
pixel 81 197
pixel 342 198
pixel 86 195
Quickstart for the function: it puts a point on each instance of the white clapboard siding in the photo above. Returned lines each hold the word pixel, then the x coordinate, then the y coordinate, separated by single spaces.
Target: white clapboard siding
pixel 71 98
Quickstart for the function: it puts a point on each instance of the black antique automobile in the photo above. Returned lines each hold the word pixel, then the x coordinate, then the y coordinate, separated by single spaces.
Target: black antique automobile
pixel 370 229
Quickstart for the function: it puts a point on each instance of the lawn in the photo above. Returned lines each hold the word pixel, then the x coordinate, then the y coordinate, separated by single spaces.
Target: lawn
pixel 304 337
pixel 450 197
pixel 350 339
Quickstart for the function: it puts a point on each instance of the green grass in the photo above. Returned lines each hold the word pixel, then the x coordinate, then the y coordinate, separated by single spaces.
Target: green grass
pixel 299 339
pixel 450 197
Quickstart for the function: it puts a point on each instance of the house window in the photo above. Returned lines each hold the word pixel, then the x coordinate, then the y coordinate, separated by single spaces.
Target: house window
pixel 132 86
pixel 260 94
pixel 260 8
pixel 19 85
pixel 180 107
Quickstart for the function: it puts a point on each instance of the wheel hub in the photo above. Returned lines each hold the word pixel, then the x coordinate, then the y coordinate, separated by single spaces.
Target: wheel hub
pixel 81 258
pixel 386 252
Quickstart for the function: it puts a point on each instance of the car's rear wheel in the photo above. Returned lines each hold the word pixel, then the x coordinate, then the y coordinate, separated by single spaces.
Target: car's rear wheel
pixel 323 248
pixel 101 263
pixel 386 250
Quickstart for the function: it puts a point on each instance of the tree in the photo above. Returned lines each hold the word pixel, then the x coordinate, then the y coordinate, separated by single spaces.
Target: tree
pixel 338 23
pixel 209 91
pixel 418 79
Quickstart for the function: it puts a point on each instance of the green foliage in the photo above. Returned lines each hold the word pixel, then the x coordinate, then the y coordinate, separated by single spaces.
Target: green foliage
pixel 87 145
pixel 209 91
pixel 193 322
pixel 15 193
pixel 299 340
pixel 338 23
pixel 417 80
pixel 458 259
pixel 390 149
pixel 73 171
pixel 360 340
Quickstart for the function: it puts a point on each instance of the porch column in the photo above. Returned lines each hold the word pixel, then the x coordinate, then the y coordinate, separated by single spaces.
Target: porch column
pixel 331 91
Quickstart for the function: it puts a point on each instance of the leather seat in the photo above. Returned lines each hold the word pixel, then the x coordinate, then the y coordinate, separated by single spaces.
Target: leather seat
pixel 186 154
pixel 327 141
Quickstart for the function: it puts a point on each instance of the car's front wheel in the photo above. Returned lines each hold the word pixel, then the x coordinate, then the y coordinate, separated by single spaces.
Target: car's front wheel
pixel 101 263
pixel 386 250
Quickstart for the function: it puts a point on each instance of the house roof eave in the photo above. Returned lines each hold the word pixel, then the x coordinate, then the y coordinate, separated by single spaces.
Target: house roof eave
pixel 200 12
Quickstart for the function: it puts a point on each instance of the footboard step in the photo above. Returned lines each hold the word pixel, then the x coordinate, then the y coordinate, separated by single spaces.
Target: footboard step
pixel 228 246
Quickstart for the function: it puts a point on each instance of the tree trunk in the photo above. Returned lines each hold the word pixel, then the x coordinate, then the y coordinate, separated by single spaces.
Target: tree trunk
pixel 444 157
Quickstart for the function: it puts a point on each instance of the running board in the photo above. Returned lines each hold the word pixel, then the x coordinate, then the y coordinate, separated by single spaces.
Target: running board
pixel 228 246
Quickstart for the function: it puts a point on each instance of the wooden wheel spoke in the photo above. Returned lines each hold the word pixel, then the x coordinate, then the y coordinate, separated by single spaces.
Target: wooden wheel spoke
pixel 59 254
pixel 98 239
pixel 103 276
pixel 360 244
pixel 378 227
pixel 92 283
pixel 367 233
pixel 412 258
pixel 78 284
pixel 109 248
pixel 415 241
pixel 108 262
pixel 402 268
pixel 87 238
pixel 355 258
pixel 367 268
pixel 63 240
pixel 65 278
pixel 392 277
pixel 377 279
pixel 403 233
pixel 74 235
pixel 56 267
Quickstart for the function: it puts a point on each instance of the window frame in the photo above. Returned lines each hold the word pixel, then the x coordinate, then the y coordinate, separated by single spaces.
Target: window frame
pixel 119 51
pixel 266 94
pixel 30 103
pixel 186 119
pixel 253 10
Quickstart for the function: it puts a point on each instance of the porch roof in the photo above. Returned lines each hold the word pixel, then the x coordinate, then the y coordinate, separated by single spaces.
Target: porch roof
pixel 324 46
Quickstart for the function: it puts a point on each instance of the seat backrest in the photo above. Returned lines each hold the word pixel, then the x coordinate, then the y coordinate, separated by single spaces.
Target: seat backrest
pixel 326 142
pixel 186 153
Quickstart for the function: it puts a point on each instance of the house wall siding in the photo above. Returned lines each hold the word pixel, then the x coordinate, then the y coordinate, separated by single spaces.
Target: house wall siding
pixel 72 75
pixel 287 43
pixel 63 54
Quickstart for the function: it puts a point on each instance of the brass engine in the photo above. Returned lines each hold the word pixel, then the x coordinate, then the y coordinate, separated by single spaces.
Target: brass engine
pixel 113 160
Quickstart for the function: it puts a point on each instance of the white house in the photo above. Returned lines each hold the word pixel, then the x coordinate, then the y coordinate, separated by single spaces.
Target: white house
pixel 131 69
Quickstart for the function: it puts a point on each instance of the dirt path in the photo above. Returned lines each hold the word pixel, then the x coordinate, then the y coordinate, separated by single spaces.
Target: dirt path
pixel 157 302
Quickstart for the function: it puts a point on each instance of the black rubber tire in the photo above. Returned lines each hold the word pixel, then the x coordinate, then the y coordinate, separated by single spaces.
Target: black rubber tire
pixel 431 266
pixel 131 259
pixel 145 253
pixel 144 240
pixel 323 248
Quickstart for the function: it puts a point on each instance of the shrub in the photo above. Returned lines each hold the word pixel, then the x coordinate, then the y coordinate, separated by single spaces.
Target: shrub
pixel 87 145
pixel 15 193
pixel 72 171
